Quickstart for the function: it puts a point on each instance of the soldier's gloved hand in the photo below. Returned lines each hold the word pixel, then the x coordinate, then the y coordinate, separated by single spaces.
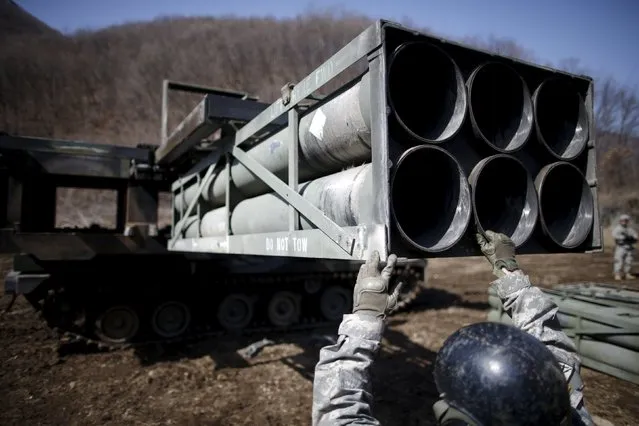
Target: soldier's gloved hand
pixel 370 296
pixel 499 250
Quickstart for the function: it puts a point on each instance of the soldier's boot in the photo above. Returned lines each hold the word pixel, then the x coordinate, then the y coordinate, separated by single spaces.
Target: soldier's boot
pixel 617 277
pixel 630 276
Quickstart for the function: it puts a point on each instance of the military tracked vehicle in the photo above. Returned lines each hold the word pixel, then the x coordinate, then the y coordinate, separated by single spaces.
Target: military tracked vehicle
pixel 119 286
pixel 275 206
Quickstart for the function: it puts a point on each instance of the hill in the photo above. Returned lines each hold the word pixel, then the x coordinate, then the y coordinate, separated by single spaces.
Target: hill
pixel 105 86
pixel 14 20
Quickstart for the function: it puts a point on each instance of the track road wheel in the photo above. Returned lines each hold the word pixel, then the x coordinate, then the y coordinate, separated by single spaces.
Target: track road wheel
pixel 335 302
pixel 170 319
pixel 283 309
pixel 312 286
pixel 235 312
pixel 117 324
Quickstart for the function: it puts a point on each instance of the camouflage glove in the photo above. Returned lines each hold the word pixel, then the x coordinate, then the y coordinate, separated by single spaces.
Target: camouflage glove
pixel 499 250
pixel 370 296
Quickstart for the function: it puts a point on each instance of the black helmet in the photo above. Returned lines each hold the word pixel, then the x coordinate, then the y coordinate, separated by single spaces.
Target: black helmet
pixel 495 374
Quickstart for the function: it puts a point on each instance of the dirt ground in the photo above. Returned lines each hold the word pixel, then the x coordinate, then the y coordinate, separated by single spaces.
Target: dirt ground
pixel 43 382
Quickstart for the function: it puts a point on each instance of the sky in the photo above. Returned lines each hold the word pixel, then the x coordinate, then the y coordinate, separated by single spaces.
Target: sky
pixel 602 34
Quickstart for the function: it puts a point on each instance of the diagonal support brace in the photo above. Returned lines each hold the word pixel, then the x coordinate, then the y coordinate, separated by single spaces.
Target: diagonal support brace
pixel 342 238
pixel 192 204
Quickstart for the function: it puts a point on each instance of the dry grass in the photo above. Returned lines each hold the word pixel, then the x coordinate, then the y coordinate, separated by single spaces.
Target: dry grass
pixel 80 207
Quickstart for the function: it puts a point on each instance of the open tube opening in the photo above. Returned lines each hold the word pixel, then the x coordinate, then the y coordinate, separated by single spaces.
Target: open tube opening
pixel 566 204
pixel 500 107
pixel 560 118
pixel 504 198
pixel 434 217
pixel 426 92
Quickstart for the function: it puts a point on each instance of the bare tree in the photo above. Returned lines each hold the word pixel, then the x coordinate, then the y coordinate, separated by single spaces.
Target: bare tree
pixel 628 115
pixel 617 115
pixel 572 65
pixel 606 105
pixel 501 46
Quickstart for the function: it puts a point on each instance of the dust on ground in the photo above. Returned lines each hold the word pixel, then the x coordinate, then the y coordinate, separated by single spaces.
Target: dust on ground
pixel 208 383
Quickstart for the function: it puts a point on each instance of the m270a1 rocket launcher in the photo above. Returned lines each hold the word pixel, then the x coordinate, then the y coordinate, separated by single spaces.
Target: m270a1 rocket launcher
pixel 431 141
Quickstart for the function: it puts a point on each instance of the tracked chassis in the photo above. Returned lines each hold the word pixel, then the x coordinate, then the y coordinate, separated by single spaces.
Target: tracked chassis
pixel 187 299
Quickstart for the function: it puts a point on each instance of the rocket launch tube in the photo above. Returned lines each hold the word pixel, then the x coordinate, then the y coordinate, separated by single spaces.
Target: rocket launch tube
pixel 345 197
pixel 561 120
pixel 431 224
pixel 504 197
pixel 566 204
pixel 331 137
pixel 337 133
pixel 430 198
pixel 500 107
pixel 434 110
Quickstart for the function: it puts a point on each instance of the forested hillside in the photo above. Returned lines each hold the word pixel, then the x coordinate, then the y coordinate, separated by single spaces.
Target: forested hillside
pixel 104 85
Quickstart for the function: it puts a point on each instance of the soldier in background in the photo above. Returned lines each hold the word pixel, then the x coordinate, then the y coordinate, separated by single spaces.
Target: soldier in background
pixel 625 239
pixel 486 373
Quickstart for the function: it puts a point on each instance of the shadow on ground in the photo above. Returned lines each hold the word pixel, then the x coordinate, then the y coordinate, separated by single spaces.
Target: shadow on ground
pixel 403 382
pixel 437 298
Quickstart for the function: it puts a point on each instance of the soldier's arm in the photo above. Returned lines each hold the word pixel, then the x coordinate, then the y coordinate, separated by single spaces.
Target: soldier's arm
pixel 342 384
pixel 535 313
pixel 532 311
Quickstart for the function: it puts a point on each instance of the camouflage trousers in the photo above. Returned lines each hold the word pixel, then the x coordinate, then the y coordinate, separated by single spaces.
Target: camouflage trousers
pixel 623 259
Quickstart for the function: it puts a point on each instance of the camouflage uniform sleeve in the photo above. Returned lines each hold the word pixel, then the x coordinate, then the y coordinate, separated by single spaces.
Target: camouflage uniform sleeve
pixel 535 313
pixel 342 391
